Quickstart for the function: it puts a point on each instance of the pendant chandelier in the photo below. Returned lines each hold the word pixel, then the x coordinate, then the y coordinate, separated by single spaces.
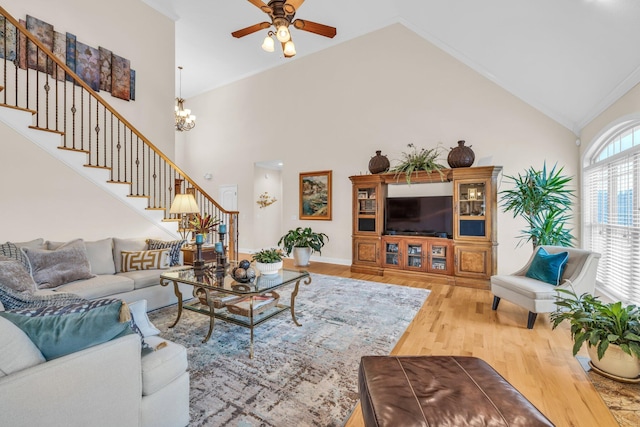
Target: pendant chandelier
pixel 184 119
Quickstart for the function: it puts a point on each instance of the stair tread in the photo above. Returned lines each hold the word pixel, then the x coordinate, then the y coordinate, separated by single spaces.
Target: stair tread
pixel 97 167
pixel 77 150
pixel 59 132
pixel 119 182
pixel 18 108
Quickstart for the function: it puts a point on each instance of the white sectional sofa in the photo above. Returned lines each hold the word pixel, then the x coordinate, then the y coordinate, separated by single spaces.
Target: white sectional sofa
pixel 105 259
pixel 112 383
pixel 106 385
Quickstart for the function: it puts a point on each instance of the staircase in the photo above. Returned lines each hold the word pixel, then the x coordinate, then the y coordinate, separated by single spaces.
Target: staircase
pixel 52 107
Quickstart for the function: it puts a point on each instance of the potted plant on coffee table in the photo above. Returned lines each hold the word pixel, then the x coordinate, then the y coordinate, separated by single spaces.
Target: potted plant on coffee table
pixel 302 242
pixel 610 330
pixel 268 261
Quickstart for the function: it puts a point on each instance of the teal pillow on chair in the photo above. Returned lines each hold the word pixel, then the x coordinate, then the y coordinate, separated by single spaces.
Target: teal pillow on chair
pixel 61 334
pixel 548 267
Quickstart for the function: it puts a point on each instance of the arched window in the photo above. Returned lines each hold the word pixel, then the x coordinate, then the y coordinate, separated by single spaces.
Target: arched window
pixel 611 222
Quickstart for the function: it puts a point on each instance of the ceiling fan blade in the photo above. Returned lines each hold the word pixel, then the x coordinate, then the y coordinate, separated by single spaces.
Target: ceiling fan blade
pixel 252 29
pixel 314 27
pixel 261 5
pixel 291 6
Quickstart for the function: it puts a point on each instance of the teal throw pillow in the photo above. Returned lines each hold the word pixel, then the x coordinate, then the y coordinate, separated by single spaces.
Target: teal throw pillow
pixel 59 335
pixel 548 267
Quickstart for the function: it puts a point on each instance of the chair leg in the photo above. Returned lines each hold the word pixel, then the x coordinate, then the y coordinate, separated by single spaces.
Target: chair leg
pixel 496 301
pixel 531 320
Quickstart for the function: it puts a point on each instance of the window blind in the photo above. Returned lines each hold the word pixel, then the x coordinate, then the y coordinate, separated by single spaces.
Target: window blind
pixel 612 222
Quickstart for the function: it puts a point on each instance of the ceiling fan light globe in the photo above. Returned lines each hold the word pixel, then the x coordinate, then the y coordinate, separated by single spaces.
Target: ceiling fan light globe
pixel 282 34
pixel 289 48
pixel 268 44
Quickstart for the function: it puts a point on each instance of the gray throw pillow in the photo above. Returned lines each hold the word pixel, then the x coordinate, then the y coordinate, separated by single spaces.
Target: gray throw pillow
pixel 99 253
pixel 13 275
pixel 68 263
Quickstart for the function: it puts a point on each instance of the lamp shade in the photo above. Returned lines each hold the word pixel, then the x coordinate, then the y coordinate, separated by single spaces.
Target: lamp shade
pixel 289 48
pixel 282 34
pixel 268 44
pixel 184 204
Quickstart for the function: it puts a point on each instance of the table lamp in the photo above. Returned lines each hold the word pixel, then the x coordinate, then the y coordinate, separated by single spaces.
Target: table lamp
pixel 184 204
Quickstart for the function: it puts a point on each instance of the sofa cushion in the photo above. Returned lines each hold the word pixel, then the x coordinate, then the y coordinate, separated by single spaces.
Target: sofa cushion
pixel 145 260
pixel 58 331
pixel 10 250
pixel 162 366
pixel 143 278
pixel 120 245
pixel 51 269
pixel 547 267
pixel 99 286
pixel 99 254
pixel 13 275
pixel 532 289
pixel 139 314
pixel 174 247
pixel 17 351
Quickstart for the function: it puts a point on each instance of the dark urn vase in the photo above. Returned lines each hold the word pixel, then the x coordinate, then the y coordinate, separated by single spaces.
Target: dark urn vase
pixel 378 163
pixel 461 156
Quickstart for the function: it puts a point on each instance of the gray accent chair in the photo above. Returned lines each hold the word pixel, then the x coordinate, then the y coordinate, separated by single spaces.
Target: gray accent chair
pixel 540 297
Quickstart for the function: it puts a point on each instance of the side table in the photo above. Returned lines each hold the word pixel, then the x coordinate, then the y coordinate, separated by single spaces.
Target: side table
pixel 189 254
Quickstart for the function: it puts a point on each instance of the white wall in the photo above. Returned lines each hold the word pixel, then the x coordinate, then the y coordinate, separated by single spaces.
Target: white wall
pixel 40 196
pixel 334 109
pixel 267 221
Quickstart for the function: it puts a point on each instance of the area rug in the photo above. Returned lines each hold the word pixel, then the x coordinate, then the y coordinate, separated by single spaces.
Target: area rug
pixel 300 376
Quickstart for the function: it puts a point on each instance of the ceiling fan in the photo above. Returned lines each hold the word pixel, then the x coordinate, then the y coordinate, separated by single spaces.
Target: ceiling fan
pixel 282 13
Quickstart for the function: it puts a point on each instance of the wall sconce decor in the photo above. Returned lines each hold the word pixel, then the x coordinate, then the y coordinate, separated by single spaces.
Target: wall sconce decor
pixel 265 200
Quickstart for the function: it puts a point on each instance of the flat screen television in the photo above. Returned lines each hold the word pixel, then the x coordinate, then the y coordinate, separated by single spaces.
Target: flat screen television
pixel 425 216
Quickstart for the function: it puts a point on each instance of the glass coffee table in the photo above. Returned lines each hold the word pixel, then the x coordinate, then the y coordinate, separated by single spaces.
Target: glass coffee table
pixel 245 304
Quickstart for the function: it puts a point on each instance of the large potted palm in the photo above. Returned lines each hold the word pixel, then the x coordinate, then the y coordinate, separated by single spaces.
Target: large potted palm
pixel 302 242
pixel 543 198
pixel 610 330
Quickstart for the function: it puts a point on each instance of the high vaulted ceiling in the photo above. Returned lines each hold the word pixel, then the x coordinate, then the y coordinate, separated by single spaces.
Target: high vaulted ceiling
pixel 568 58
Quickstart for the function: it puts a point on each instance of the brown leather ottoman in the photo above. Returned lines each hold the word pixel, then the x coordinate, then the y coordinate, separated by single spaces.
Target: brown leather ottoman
pixel 432 391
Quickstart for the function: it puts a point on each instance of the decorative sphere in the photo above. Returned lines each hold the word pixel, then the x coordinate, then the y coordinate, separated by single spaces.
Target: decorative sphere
pixel 251 273
pixel 240 273
pixel 244 264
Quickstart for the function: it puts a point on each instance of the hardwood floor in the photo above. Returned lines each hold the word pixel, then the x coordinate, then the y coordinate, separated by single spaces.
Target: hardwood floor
pixel 537 362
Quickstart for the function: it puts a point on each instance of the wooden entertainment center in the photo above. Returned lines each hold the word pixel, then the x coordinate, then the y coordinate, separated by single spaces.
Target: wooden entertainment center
pixel 468 258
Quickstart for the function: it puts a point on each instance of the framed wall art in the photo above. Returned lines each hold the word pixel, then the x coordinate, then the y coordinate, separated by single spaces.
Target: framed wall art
pixel 315 195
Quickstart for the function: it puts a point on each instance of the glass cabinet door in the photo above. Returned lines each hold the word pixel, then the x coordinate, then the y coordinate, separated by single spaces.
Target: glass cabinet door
pixel 392 253
pixel 414 255
pixel 471 209
pixel 366 209
pixel 438 257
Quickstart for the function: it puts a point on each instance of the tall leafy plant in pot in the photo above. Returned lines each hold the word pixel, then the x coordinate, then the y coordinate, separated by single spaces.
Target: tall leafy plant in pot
pixel 302 242
pixel 543 198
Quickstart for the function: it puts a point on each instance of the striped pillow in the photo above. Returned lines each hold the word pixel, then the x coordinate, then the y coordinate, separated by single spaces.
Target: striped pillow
pixel 145 260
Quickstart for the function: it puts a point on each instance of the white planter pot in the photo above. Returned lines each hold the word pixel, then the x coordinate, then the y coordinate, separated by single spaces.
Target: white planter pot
pixel 615 362
pixel 301 256
pixel 268 269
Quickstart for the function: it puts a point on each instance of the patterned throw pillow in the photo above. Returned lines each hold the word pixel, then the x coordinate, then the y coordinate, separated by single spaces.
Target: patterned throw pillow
pixel 174 247
pixel 145 260
pixel 10 250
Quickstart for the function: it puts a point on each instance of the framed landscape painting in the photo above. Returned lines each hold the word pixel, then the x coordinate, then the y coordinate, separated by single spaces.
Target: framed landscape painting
pixel 315 195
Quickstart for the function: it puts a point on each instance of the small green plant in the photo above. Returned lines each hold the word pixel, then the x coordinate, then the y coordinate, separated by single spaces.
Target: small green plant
pixel 544 200
pixel 598 324
pixel 268 256
pixel 302 238
pixel 414 161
